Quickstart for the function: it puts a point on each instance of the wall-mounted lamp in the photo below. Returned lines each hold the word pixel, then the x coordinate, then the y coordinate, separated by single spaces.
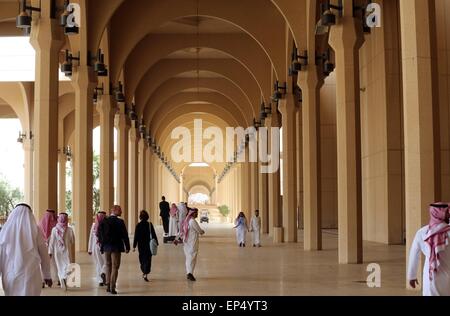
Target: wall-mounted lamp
pixel 299 62
pixel 325 59
pixel 96 92
pixel 67 66
pixel 23 20
pixel 99 66
pixel 279 91
pixel 142 128
pixel 132 113
pixel 120 97
pixel 328 18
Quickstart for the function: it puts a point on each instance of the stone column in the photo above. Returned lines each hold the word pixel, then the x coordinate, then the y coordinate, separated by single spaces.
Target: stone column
pixel 254 186
pixel 245 188
pixel 123 132
pixel 28 149
pixel 148 180
pixel 181 187
pixel 308 82
pixel 132 177
pixel 62 182
pixel 84 83
pixel 345 39
pixel 273 187
pixel 46 39
pixel 107 110
pixel 420 181
pixel 287 109
pixel 263 201
pixel 141 174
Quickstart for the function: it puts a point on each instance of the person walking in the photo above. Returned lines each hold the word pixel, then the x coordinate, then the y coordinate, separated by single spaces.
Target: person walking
pixel 113 237
pixel 46 224
pixel 23 254
pixel 255 229
pixel 142 236
pixel 164 208
pixel 241 229
pixel 94 250
pixel 61 241
pixel 190 233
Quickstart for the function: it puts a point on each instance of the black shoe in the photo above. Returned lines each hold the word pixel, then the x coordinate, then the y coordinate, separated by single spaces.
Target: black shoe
pixel 114 292
pixel 240 245
pixel 101 284
pixel 190 277
pixel 43 285
pixel 243 245
pixel 108 289
pixel 59 283
pixel 64 284
pixel 103 276
pixel 254 245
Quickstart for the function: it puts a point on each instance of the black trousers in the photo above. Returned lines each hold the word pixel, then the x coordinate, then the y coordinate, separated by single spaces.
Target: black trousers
pixel 165 224
pixel 145 259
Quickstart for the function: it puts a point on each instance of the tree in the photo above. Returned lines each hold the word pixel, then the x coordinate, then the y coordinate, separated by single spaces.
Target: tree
pixel 224 210
pixel 96 183
pixel 9 197
pixel 95 186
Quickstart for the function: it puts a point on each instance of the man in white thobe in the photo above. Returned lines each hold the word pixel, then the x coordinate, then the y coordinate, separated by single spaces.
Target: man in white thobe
pixel 61 241
pixel 23 254
pixel 94 250
pixel 241 229
pixel 190 232
pixel 255 228
pixel 182 213
pixel 432 241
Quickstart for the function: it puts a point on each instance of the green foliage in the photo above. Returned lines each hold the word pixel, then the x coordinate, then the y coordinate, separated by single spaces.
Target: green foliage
pixel 9 197
pixel 95 187
pixel 96 183
pixel 224 210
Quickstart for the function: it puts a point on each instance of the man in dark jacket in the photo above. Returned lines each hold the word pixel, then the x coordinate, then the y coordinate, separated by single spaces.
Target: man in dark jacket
pixel 164 208
pixel 113 238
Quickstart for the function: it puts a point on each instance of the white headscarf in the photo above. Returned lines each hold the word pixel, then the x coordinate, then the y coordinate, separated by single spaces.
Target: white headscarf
pixel 18 238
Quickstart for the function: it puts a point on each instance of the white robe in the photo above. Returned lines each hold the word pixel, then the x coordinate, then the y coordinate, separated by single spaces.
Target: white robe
pixel 191 245
pixel 255 228
pixel 23 253
pixel 61 256
pixel 241 232
pixel 440 285
pixel 173 226
pixel 99 259
pixel 182 213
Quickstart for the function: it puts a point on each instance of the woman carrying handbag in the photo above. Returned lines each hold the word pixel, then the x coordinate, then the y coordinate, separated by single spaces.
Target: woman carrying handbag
pixel 144 236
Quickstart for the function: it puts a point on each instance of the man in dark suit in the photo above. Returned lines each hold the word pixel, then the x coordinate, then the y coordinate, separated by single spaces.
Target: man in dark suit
pixel 113 238
pixel 164 208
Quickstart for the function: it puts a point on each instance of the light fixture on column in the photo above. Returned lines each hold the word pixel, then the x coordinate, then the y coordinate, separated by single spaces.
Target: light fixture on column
pixel 22 137
pixel 149 139
pixel 298 94
pixel 96 92
pixel 256 124
pixel 23 20
pixel 67 66
pixel 68 153
pixel 99 66
pixel 299 62
pixel 69 29
pixel 142 128
pixel 120 97
pixel 132 113
pixel 328 66
pixel 328 18
pixel 279 91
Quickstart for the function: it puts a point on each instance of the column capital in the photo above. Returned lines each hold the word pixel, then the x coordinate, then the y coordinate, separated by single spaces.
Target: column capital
pixel 106 105
pixel 46 34
pixel 121 121
pixel 309 79
pixel 84 78
pixel 346 35
pixel 287 105
pixel 28 144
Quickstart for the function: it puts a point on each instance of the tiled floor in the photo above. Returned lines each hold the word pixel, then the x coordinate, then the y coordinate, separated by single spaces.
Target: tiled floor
pixel 225 269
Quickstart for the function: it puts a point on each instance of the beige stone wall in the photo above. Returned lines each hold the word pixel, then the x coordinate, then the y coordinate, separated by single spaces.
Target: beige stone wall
pixel 442 53
pixel 329 152
pixel 382 138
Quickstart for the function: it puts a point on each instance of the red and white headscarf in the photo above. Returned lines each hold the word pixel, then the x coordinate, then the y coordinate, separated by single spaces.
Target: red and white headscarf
pixel 61 227
pixel 47 223
pixel 98 219
pixel 437 235
pixel 185 224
